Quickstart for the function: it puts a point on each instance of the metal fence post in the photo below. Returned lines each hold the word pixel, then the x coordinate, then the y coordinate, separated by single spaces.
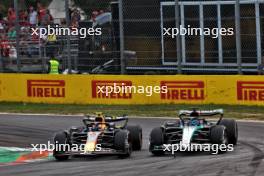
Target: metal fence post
pixel 178 37
pixel 68 37
pixel 17 35
pixel 258 32
pixel 42 58
pixel 121 35
pixel 238 36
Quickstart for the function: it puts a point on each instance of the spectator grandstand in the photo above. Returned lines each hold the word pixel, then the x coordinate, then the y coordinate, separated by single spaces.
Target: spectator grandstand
pixel 144 48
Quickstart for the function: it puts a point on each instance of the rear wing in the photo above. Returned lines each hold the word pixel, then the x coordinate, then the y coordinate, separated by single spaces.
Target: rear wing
pixel 107 120
pixel 202 112
pixel 88 118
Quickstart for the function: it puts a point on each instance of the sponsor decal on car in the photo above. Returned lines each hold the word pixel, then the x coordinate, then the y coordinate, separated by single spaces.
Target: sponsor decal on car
pixel 105 89
pixel 183 90
pixel 46 88
pixel 90 145
pixel 250 90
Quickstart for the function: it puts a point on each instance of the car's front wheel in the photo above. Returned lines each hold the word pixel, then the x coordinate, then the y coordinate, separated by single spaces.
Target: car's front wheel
pixel 156 139
pixel 62 144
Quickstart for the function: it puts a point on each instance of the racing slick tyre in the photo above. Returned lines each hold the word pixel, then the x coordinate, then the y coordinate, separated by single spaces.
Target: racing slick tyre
pixel 231 129
pixel 218 135
pixel 136 136
pixel 60 138
pixel 122 143
pixel 156 139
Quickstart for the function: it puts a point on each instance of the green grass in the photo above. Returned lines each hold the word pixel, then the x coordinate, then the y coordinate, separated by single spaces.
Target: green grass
pixel 232 111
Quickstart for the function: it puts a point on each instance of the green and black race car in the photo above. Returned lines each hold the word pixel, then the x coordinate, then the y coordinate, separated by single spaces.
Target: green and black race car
pixel 193 128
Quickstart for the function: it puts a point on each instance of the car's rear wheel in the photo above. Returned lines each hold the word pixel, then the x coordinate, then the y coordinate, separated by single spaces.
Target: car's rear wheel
pixel 136 136
pixel 59 153
pixel 231 129
pixel 156 139
pixel 122 143
pixel 218 135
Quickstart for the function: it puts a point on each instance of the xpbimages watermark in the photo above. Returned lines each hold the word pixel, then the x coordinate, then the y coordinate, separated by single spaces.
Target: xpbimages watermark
pixel 63 147
pixel 125 89
pixel 62 31
pixel 213 148
pixel 191 31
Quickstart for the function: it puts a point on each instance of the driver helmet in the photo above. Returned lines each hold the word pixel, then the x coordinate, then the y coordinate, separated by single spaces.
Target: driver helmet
pixel 194 113
pixel 100 122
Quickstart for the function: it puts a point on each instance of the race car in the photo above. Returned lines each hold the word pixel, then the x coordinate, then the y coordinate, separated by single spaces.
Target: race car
pixel 193 128
pixel 100 135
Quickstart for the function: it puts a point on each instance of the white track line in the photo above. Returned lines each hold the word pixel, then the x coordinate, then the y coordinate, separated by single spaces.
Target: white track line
pixel 15 149
pixel 36 114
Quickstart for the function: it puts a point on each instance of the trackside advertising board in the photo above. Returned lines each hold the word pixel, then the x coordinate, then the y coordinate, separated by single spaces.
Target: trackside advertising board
pixel 145 89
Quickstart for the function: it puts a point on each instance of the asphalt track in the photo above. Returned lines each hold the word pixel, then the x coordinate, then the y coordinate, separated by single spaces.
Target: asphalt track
pixel 22 130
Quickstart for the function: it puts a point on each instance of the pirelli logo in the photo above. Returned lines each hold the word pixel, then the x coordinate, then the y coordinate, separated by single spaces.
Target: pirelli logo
pixel 100 89
pixel 250 90
pixel 46 88
pixel 183 90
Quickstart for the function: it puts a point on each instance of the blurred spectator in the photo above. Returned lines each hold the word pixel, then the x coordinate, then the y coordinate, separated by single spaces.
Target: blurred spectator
pixel 41 12
pixel 11 17
pixel 12 52
pixel 47 19
pixel 261 67
pixel 32 16
pixel 11 33
pixel 4 46
pixel 76 14
pixel 94 15
pixel 2 26
pixel 23 16
pixel 54 66
pixel 24 40
pixel 75 18
pixel 74 22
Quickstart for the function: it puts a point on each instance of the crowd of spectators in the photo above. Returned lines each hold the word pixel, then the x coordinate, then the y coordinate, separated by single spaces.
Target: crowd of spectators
pixel 34 16
pixel 27 19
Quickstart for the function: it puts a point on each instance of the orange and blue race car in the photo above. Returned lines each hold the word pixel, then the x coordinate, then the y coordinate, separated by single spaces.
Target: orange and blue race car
pixel 100 135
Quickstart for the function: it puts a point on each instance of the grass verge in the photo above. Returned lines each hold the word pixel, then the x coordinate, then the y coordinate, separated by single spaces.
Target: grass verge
pixel 232 111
